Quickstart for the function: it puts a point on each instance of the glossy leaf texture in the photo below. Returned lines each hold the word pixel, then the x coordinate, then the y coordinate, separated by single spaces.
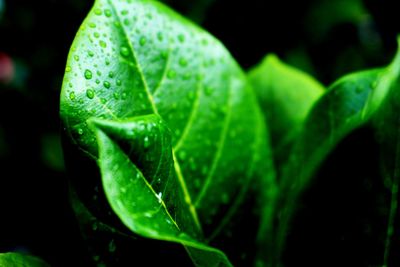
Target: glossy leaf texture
pixel 13 259
pixel 170 118
pixel 285 95
pixel 350 103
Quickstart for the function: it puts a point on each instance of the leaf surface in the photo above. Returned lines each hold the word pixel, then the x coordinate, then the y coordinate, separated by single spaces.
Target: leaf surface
pixel 170 118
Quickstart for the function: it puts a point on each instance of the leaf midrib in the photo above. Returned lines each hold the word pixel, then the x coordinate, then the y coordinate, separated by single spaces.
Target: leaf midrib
pixel 181 179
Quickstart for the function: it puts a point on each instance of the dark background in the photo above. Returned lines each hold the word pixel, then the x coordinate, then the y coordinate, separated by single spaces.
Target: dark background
pixel 324 38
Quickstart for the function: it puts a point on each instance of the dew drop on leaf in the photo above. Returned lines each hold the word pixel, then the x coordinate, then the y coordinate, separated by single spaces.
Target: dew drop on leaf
pixel 103 44
pixel 160 36
pixel 118 82
pixel 107 12
pixel 124 51
pixel 80 131
pixel 126 22
pixel 181 38
pixel 97 11
pixel 183 62
pixel 111 74
pixel 107 84
pixel 90 93
pixel 146 142
pixel 88 74
pixel 72 96
pixel 182 155
pixel 171 74
pixel 142 41
pixel 164 54
pixel 208 90
pixel 159 197
pixel 68 69
pixel 116 95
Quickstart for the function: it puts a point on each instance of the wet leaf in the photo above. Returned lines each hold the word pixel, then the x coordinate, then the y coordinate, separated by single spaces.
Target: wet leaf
pixel 170 118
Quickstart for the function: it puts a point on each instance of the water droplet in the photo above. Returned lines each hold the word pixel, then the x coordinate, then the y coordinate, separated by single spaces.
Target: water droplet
pixel 160 36
pixel 107 62
pixel 182 155
pixel 92 25
pixel 102 44
pixel 72 96
pixel 208 90
pixel 88 74
pixel 107 12
pixel 183 62
pixel 149 16
pixel 116 96
pixel 181 38
pixel 76 57
pixel 142 41
pixel 123 96
pixel 68 69
pixel 90 93
pixel 90 53
pixel 97 11
pixel 124 51
pixel 146 142
pixel 164 54
pixel 118 82
pixel 103 100
pixel 126 22
pixel 159 195
pixel 80 131
pixel 107 84
pixel 111 74
pixel 171 74
pixel 98 72
pixel 97 81
pixel 124 12
pixel 111 246
pixel 96 34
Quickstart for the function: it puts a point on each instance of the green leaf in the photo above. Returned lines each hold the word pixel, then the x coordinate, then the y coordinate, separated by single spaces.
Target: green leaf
pixel 13 259
pixel 285 95
pixel 351 102
pixel 170 118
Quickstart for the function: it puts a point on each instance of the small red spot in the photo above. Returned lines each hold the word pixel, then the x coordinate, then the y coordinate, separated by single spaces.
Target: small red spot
pixel 6 68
